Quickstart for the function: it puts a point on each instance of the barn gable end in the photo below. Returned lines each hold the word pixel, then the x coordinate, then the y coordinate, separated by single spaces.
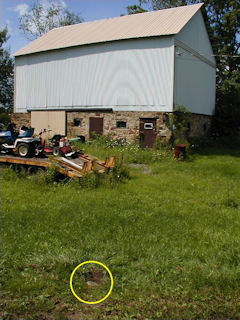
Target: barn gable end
pixel 195 68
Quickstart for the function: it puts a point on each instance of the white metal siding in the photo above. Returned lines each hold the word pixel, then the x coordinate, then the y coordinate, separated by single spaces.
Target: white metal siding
pixel 128 75
pixel 194 84
pixel 50 120
pixel 195 75
pixel 195 35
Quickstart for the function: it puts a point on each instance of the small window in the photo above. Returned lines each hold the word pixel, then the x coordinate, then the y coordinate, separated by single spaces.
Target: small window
pixel 205 127
pixel 77 122
pixel 121 124
pixel 148 126
pixel 188 127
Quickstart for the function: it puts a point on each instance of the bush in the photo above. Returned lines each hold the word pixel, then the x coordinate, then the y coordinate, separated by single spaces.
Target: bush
pixel 4 118
pixel 178 122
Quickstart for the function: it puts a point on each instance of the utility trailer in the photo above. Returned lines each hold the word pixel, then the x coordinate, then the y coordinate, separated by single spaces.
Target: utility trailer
pixel 74 168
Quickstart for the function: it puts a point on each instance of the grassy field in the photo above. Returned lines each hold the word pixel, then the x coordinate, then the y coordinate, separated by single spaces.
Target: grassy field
pixel 169 235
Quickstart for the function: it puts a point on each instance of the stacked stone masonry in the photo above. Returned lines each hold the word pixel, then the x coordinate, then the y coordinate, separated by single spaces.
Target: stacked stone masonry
pixel 199 123
pixel 110 119
pixel 21 119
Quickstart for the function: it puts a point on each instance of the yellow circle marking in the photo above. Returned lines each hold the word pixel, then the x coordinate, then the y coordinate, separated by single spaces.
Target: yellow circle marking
pixel 91 302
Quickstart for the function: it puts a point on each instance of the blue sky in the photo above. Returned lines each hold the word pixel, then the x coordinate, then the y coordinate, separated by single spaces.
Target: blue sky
pixel 89 10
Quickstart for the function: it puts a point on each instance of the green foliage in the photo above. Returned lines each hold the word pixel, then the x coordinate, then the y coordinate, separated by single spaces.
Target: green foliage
pixel 164 4
pixel 51 175
pixel 226 121
pixel 131 152
pixel 4 118
pixel 120 173
pixel 170 238
pixel 136 8
pixel 41 18
pixel 6 74
pixel 178 123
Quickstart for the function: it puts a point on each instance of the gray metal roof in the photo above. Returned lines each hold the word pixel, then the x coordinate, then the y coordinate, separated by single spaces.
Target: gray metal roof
pixel 149 24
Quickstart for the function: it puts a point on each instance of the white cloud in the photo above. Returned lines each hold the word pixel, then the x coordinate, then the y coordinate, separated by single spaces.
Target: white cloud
pixel 21 8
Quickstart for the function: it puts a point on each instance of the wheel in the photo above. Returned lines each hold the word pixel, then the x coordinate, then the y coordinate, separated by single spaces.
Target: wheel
pixel 24 150
pixel 37 152
pixel 56 151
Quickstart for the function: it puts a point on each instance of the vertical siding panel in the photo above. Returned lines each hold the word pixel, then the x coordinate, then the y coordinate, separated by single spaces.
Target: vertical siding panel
pixel 131 74
pixel 195 84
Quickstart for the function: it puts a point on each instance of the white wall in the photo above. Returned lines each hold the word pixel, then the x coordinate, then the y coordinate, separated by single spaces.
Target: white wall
pixel 127 75
pixel 194 84
pixel 195 35
pixel 195 76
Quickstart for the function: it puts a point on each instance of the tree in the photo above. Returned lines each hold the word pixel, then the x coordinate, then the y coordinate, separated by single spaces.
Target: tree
pixel 6 74
pixel 40 19
pixel 136 8
pixel 164 4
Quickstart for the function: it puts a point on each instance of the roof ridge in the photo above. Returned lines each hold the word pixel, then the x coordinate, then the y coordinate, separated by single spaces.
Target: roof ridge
pixel 130 15
pixel 148 24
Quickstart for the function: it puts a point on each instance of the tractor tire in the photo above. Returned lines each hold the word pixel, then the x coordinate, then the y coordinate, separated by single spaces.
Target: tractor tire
pixel 25 150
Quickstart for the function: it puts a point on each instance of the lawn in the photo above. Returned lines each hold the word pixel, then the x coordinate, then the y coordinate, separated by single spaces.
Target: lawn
pixel 169 235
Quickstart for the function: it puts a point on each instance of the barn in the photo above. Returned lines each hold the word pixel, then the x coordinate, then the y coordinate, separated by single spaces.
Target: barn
pixel 121 75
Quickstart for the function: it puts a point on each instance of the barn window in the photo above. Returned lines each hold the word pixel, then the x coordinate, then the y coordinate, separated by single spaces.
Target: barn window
pixel 77 122
pixel 121 124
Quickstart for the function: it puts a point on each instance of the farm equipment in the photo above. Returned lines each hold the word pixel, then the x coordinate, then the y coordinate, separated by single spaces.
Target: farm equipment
pixel 21 143
pixel 34 152
pixel 58 146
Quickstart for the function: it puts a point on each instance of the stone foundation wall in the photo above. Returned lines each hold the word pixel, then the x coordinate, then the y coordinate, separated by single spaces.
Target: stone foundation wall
pixel 131 132
pixel 21 119
pixel 199 124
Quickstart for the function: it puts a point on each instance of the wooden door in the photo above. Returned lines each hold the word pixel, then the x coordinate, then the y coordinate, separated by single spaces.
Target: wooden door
pixel 95 126
pixel 148 132
pixel 53 121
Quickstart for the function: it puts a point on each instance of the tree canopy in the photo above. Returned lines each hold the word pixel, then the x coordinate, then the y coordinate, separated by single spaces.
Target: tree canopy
pixel 6 74
pixel 39 19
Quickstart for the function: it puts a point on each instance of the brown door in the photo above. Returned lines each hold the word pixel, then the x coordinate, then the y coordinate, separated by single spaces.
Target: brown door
pixel 148 132
pixel 95 126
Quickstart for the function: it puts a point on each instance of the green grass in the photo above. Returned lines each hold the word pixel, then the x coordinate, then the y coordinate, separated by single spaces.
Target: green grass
pixel 170 238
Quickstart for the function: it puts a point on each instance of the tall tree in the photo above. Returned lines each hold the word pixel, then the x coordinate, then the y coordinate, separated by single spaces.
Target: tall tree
pixel 6 74
pixel 41 18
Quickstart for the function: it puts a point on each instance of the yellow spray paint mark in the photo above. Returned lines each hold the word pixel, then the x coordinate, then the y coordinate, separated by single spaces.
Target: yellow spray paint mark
pixel 91 302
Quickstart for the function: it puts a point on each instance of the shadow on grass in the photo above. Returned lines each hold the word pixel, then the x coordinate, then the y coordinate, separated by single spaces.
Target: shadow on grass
pixel 233 151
